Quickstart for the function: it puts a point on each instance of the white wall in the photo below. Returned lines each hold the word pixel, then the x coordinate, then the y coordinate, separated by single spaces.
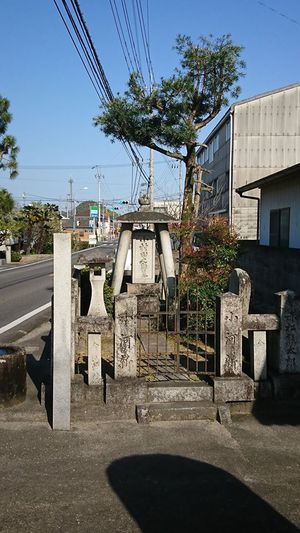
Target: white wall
pixel 286 194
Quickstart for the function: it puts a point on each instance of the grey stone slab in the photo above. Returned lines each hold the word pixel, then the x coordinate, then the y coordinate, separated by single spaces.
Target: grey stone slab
pixel 264 322
pixel 179 391
pixel 179 411
pixel 224 415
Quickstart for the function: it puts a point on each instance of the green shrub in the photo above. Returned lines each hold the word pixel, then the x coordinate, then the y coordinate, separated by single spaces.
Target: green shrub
pixel 15 256
pixel 208 266
pixel 78 245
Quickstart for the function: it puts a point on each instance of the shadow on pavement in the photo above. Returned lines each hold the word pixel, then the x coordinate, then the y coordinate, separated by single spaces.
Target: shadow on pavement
pixel 39 370
pixel 277 412
pixel 165 493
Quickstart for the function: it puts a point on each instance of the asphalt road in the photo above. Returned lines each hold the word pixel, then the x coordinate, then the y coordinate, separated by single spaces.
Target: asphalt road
pixel 25 288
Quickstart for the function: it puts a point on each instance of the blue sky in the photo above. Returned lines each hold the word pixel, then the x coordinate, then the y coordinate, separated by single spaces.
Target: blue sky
pixel 53 101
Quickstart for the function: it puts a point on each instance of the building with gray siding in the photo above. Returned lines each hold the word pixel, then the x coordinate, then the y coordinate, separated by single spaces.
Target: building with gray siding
pixel 255 138
pixel 279 207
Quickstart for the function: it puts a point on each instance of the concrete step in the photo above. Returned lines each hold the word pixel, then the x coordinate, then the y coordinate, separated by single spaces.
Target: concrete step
pixel 168 411
pixel 179 391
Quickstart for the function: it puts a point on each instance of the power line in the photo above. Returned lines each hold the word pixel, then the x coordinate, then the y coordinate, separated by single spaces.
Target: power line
pixel 145 41
pixel 121 36
pixel 92 63
pixel 277 12
pixel 82 167
pixel 131 39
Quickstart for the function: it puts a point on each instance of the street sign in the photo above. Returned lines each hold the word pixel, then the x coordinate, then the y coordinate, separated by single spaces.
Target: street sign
pixel 93 211
pixel 92 239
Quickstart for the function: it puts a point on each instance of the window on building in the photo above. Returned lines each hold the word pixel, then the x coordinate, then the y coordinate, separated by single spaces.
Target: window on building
pixel 226 187
pixel 202 156
pixel 280 227
pixel 210 152
pixel 216 142
pixel 205 154
pixel 227 130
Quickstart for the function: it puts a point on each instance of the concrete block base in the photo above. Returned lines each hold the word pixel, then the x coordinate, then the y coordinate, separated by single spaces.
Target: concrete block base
pixel 81 393
pixel 233 389
pixel 125 391
pixel 179 411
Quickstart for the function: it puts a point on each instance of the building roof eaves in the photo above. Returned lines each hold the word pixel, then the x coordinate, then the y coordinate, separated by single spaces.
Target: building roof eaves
pixel 271 179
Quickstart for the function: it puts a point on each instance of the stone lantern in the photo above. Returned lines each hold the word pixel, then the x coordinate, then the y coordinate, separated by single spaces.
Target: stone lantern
pixel 140 231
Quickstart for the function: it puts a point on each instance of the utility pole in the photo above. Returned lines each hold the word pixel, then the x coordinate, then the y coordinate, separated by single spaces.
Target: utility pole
pixel 151 178
pixel 198 183
pixel 98 177
pixel 180 188
pixel 71 181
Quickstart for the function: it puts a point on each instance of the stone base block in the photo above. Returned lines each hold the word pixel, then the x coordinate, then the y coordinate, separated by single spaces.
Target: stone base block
pixel 125 391
pixel 144 289
pixel 233 389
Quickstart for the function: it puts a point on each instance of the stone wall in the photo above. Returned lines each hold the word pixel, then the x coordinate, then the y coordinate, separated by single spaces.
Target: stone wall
pixel 271 270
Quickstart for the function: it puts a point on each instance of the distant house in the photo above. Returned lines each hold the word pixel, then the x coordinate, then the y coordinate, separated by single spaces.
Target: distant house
pixel 170 207
pixel 279 207
pixel 256 137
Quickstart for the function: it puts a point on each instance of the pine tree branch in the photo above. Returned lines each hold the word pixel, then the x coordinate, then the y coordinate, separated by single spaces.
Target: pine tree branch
pixel 174 155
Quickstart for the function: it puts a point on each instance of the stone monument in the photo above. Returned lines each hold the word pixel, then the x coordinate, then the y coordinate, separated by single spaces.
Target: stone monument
pixel 140 230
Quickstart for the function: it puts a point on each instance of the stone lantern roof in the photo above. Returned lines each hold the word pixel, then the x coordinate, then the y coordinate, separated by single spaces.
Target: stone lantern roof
pixel 145 217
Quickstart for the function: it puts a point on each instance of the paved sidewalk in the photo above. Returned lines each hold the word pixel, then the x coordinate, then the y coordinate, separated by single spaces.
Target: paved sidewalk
pixel 118 476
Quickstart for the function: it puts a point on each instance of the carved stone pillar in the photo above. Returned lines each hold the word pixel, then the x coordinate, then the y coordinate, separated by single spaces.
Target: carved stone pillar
pixel 229 335
pixel 125 356
pixel 288 309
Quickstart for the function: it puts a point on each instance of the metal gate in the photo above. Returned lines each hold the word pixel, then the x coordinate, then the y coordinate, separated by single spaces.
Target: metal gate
pixel 176 338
